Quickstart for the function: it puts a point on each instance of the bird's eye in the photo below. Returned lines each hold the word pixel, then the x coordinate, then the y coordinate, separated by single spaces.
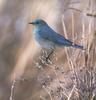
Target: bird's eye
pixel 37 22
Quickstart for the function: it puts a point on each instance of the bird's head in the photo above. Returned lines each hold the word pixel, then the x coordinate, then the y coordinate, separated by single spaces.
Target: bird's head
pixel 38 22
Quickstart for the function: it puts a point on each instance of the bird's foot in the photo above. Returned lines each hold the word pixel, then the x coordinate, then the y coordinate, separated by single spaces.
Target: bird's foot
pixel 48 60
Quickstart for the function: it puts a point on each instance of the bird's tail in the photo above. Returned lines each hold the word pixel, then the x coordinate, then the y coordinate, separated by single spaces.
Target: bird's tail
pixel 78 46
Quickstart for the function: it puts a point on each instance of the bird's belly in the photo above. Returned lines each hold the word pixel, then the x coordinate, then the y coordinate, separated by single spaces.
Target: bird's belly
pixel 44 43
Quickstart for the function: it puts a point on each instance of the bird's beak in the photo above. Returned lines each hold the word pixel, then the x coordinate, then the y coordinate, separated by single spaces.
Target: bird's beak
pixel 32 23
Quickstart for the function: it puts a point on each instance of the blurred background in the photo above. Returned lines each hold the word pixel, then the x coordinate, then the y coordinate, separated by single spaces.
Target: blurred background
pixel 18 51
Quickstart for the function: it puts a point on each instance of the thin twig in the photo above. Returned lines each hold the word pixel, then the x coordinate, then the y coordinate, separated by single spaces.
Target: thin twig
pixel 70 95
pixel 73 25
pixel 71 64
pixel 75 9
pixel 43 98
pixel 12 90
pixel 66 49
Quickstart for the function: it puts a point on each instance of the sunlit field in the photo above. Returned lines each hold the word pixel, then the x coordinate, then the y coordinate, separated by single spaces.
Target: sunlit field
pixel 70 73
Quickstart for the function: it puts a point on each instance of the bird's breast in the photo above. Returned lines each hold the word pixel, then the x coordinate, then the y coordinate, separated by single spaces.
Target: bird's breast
pixel 37 37
pixel 44 43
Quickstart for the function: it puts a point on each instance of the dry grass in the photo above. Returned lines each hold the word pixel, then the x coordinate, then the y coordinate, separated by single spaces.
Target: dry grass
pixel 79 83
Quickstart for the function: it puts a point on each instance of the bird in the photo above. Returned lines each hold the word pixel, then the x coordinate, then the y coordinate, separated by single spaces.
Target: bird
pixel 47 38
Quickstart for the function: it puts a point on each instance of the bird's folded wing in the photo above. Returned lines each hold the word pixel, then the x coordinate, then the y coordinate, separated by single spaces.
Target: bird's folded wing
pixel 51 35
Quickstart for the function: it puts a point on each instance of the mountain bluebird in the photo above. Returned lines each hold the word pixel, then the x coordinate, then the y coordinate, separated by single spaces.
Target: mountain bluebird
pixel 48 38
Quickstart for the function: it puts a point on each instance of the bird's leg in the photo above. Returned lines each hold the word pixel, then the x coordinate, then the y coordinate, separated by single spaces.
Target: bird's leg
pixel 48 56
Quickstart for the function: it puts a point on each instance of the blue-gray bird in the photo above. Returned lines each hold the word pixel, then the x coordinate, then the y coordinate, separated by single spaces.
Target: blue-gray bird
pixel 48 38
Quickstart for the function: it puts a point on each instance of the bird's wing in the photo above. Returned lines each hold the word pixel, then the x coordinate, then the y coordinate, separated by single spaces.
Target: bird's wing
pixel 62 40
pixel 56 38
